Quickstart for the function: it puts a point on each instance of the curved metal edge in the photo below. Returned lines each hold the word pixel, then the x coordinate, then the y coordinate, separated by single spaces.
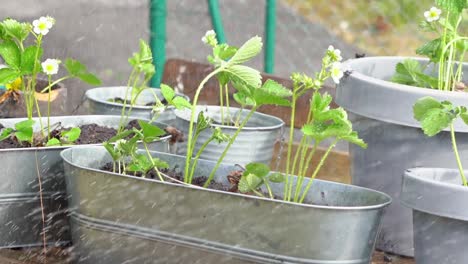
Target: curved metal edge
pixel 53 148
pixel 28 197
pixel 418 92
pixel 386 197
pixel 423 190
pixel 279 122
pixel 196 243
pixel 90 95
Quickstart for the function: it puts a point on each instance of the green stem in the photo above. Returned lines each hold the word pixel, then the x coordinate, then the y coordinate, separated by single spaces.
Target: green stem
pixel 290 144
pixel 299 150
pixel 302 173
pixel 197 157
pixel 267 185
pixel 317 169
pixel 221 102
pixel 231 141
pixel 228 114
pixel 127 90
pixel 457 156
pixel 190 142
pixel 48 110
pixel 152 162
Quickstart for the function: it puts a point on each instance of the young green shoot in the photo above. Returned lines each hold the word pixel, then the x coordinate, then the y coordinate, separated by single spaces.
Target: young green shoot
pixel 435 116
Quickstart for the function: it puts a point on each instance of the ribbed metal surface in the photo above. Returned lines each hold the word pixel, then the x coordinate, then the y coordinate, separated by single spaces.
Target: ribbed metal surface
pixel 440 214
pixel 99 105
pixel 124 219
pixel 255 143
pixel 20 210
pixel 381 113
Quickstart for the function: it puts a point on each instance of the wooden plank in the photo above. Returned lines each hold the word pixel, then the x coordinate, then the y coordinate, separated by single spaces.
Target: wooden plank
pixel 185 76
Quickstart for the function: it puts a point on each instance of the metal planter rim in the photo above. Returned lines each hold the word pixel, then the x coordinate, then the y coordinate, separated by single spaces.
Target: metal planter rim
pixel 89 96
pixel 407 92
pixel 68 146
pixel 336 208
pixel 279 121
pixel 418 185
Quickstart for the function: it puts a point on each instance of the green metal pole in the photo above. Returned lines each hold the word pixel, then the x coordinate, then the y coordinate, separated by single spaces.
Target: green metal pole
pixel 270 25
pixel 158 38
pixel 216 21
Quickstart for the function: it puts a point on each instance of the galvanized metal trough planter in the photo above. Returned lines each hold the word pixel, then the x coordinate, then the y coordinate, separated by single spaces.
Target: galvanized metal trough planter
pixel 99 104
pixel 440 213
pixel 20 210
pixel 123 219
pixel 382 113
pixel 255 142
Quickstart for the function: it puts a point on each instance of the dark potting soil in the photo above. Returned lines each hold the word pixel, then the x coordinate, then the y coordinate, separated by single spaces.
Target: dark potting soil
pixel 178 176
pixel 90 134
pixel 120 100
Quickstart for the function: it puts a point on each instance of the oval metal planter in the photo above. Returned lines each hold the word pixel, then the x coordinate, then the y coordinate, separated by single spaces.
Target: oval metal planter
pixel 20 208
pixel 255 142
pixel 381 112
pixel 440 212
pixel 99 104
pixel 123 219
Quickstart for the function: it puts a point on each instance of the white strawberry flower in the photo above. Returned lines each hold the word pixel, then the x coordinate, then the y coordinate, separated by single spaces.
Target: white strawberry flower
pixel 336 72
pixel 433 14
pixel 50 66
pixel 210 38
pixel 335 54
pixel 43 25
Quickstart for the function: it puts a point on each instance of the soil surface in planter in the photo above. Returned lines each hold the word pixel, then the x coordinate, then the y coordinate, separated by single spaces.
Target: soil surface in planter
pixel 90 134
pixel 120 100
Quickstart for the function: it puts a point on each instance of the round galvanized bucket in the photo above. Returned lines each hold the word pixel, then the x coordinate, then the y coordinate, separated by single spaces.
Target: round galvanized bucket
pixel 382 114
pixel 440 214
pixel 99 103
pixel 255 142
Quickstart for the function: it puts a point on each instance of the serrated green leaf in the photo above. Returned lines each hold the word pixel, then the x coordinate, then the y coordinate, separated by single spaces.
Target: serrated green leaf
pixel 276 177
pixel 24 135
pixel 110 149
pixel 150 132
pixel 28 58
pixel 26 124
pixel 72 135
pixel 160 163
pixel 181 103
pixel 89 78
pixel 244 74
pixel 243 100
pixel 431 49
pixel 319 102
pixel 10 53
pixel 53 142
pixel 8 75
pixel 145 52
pixel 247 51
pixel 203 122
pixel 167 92
pixel 453 5
pixel 272 93
pixel 423 105
pixel 224 51
pixel 464 117
pixel 74 67
pixel 410 72
pixel 354 139
pixel 121 135
pixel 435 120
pixel 249 182
pixel 15 29
pixel 258 169
pixel 6 133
